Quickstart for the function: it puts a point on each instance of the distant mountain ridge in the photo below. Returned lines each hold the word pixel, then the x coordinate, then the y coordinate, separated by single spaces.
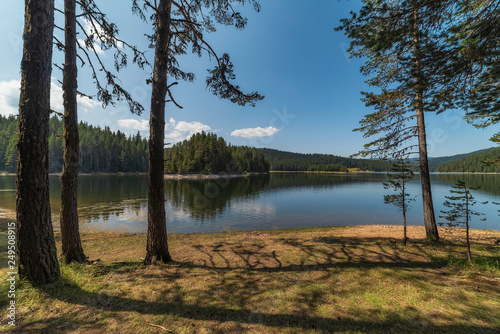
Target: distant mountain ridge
pixel 473 163
pixel 434 163
pixel 290 161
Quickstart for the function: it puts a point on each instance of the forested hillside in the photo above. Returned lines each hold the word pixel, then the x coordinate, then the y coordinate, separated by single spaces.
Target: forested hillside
pixel 473 163
pixel 208 154
pixel 434 163
pixel 101 150
pixel 288 161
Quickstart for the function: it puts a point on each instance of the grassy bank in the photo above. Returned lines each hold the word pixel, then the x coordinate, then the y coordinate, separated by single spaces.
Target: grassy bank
pixel 333 280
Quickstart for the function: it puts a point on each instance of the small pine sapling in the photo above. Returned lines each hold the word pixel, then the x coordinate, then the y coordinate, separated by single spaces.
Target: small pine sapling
pixel 402 173
pixel 460 213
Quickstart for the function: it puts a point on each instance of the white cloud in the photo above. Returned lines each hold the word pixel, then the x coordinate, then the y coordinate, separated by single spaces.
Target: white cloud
pixel 175 136
pixel 56 99
pixel 85 104
pixel 191 127
pixel 174 131
pixel 255 132
pixel 92 28
pixel 95 29
pixel 97 48
pixel 9 98
pixel 89 29
pixel 134 124
pixel 178 131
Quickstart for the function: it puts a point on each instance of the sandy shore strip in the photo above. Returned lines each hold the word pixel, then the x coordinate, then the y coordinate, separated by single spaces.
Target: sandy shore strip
pixel 7 214
pixel 485 236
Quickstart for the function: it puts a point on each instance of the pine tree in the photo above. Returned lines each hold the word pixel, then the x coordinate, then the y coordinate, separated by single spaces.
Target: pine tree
pixel 404 46
pixel 398 181
pixel 107 35
pixel 176 30
pixel 72 249
pixel 475 69
pixel 460 212
pixel 35 238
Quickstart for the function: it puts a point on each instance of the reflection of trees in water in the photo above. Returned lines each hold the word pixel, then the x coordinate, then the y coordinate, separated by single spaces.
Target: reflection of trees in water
pixel 95 189
pixel 205 199
pixel 489 183
pixel 321 180
pixel 105 211
pixel 101 197
pixel 8 192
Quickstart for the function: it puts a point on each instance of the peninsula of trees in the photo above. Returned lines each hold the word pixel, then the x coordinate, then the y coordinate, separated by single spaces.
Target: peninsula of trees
pixel 206 153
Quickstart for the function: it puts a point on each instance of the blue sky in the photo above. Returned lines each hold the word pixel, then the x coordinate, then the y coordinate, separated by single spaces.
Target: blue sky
pixel 289 52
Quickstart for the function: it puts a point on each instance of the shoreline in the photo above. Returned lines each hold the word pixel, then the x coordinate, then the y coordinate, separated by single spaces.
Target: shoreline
pixel 216 176
pixel 473 173
pixel 207 176
pixel 308 281
pixel 367 230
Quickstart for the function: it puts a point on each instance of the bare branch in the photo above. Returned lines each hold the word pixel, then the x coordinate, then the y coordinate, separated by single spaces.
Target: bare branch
pixel 173 100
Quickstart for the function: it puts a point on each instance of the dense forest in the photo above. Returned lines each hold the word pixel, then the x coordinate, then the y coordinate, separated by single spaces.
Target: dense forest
pixel 434 163
pixel 288 161
pixel 101 150
pixel 208 154
pixel 473 163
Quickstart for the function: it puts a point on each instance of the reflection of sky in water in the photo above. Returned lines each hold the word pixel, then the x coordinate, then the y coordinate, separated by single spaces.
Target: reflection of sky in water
pixel 280 202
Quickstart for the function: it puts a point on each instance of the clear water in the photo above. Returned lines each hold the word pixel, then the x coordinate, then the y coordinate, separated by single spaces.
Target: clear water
pixel 276 201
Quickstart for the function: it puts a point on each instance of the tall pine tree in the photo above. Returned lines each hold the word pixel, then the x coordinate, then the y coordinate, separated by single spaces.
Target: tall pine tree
pixel 106 34
pixel 179 25
pixel 403 43
pixel 35 237
pixel 72 249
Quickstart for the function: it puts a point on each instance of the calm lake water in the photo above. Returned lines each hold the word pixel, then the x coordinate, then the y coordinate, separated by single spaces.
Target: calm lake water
pixel 260 202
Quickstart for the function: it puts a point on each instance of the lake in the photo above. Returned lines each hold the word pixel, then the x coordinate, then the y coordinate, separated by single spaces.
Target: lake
pixel 258 202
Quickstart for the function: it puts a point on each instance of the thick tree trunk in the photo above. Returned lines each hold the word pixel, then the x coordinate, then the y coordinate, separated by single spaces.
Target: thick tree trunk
pixel 429 217
pixel 70 234
pixel 35 238
pixel 425 179
pixel 157 247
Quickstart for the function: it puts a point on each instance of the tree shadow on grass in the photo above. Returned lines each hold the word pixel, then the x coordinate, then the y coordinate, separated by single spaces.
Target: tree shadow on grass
pixel 317 254
pixel 73 294
pixel 240 273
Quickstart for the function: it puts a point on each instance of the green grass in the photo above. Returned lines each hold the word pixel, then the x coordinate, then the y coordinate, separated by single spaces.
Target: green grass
pixel 303 281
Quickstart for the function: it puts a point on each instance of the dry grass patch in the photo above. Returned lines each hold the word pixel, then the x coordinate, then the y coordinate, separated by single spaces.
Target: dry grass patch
pixel 338 280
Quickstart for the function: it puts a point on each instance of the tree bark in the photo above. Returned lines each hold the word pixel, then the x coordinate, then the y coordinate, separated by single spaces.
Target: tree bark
pixel 35 238
pixel 70 233
pixel 157 247
pixel 429 216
